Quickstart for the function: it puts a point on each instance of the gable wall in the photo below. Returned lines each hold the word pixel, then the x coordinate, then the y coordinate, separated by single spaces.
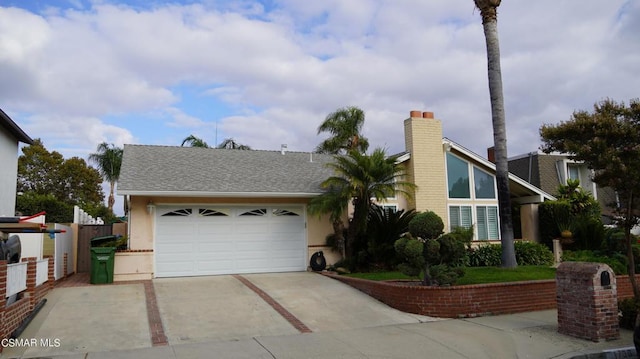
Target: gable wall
pixel 9 172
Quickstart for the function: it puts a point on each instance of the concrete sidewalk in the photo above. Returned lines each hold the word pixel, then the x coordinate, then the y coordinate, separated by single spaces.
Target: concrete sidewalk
pixel 525 335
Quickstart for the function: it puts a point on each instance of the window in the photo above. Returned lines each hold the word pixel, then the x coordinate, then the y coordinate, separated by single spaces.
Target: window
pixel 178 213
pixel 487 222
pixel 458 177
pixel 255 212
pixel 392 208
pixel 573 171
pixel 484 184
pixel 206 212
pixel 283 212
pixel 460 216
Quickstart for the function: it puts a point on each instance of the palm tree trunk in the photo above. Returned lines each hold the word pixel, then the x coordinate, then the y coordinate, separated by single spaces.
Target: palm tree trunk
pixel 490 26
pixel 112 200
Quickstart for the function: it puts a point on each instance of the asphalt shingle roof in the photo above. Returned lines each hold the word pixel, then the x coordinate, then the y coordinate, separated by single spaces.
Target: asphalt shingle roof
pixel 152 169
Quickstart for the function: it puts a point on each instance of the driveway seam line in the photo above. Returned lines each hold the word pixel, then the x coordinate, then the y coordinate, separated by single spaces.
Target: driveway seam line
pixel 265 348
pixel 292 319
pixel 156 328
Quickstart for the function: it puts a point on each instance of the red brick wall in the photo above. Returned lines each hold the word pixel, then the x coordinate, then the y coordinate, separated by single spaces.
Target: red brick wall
pixel 460 301
pixel 15 314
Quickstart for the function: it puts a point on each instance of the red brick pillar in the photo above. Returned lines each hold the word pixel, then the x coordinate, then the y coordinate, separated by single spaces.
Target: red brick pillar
pixel 65 262
pixel 31 281
pixel 51 280
pixel 3 300
pixel 587 301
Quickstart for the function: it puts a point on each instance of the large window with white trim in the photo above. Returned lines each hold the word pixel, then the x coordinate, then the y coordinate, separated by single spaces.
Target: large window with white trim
pixel 487 223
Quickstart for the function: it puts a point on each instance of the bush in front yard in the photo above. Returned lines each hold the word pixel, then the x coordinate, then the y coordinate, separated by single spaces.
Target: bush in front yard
pixel 527 253
pixel 532 253
pixel 628 309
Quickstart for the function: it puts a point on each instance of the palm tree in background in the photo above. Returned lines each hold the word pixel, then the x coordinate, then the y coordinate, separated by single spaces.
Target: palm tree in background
pixel 231 144
pixel 108 159
pixel 344 125
pixel 193 141
pixel 489 12
pixel 228 143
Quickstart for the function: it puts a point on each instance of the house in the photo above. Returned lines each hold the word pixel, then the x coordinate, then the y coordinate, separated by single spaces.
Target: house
pixel 548 171
pixel 458 184
pixel 10 135
pixel 200 211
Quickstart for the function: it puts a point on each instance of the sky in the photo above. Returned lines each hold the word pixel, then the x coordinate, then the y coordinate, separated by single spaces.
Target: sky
pixel 76 73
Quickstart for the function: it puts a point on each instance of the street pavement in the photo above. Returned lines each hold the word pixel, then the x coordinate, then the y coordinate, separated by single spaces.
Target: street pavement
pixel 284 315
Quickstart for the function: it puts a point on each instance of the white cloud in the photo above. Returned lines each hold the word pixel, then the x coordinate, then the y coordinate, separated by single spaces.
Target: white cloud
pixel 282 68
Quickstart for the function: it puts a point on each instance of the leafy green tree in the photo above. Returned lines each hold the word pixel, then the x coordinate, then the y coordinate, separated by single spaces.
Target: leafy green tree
pixel 108 159
pixel 607 141
pixel 29 203
pixel 344 125
pixel 489 13
pixel 361 177
pixel 46 173
pixel 193 141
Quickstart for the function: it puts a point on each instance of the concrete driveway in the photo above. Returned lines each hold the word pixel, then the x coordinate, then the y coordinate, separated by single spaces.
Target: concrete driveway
pixel 199 310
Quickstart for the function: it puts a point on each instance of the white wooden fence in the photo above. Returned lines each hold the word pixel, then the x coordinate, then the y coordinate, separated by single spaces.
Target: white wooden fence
pixel 63 244
pixel 16 278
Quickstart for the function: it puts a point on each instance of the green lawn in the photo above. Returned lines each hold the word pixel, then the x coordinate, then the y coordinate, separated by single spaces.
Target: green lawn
pixel 478 275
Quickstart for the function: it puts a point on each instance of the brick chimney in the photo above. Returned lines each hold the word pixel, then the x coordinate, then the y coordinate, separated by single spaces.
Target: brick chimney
pixel 491 154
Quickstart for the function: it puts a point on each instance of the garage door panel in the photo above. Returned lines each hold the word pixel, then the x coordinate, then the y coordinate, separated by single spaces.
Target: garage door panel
pixel 229 240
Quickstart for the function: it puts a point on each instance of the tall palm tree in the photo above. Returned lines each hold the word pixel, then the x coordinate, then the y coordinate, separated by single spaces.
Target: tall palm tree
pixel 361 177
pixel 231 144
pixel 193 141
pixel 108 159
pixel 344 125
pixel 489 12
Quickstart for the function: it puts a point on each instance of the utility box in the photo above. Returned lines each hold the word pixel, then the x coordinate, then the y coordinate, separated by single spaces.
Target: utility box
pixel 587 301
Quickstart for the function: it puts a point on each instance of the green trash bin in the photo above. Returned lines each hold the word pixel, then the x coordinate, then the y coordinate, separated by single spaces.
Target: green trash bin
pixel 102 264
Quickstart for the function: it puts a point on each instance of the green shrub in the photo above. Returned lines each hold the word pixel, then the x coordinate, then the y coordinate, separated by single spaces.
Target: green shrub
pixel 547 224
pixel 527 253
pixel 486 255
pixel 588 233
pixel 384 227
pixel 426 225
pixel 445 275
pixel 410 252
pixel 628 309
pixel 616 261
pixel 531 253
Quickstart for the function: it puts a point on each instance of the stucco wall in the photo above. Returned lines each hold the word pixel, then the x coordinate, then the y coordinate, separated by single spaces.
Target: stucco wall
pixel 9 173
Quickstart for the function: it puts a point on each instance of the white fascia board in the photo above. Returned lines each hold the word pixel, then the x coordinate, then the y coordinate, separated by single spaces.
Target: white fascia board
pixel 492 166
pixel 217 194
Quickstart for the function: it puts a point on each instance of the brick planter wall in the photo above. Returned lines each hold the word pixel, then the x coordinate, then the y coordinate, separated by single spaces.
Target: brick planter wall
pixel 460 301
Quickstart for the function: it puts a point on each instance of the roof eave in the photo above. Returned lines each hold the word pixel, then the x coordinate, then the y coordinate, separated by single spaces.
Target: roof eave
pixel 15 130
pixel 218 194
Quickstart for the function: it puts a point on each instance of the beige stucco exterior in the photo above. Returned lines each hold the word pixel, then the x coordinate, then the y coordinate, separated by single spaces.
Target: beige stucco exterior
pixel 138 262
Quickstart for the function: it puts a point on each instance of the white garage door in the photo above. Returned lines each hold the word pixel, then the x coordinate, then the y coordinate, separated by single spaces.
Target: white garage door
pixel 204 240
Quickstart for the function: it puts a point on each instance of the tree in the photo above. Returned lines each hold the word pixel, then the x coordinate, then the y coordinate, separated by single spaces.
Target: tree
pixel 489 12
pixel 361 177
pixel 344 125
pixel 231 144
pixel 334 202
pixel 607 141
pixel 108 159
pixel 48 182
pixel 194 141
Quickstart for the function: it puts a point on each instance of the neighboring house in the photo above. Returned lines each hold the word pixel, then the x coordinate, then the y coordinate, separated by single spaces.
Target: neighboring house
pixel 201 211
pixel 10 136
pixel 548 171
